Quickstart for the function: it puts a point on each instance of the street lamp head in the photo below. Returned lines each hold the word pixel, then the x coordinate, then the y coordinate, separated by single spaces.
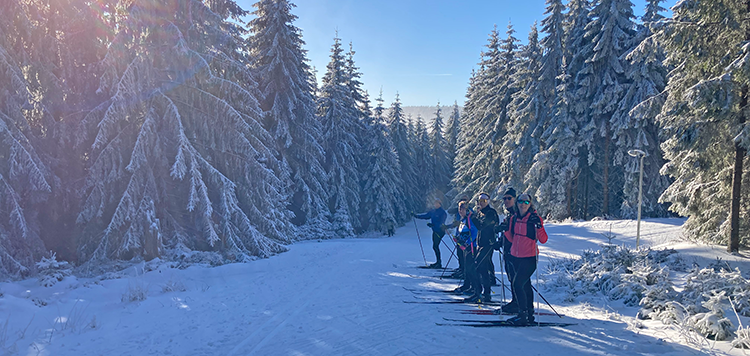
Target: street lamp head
pixel 636 153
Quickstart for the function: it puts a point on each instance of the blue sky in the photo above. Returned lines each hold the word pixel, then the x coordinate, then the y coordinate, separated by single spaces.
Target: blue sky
pixel 424 50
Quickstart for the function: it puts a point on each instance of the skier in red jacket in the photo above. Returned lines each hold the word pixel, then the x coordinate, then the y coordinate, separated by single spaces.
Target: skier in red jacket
pixel 526 228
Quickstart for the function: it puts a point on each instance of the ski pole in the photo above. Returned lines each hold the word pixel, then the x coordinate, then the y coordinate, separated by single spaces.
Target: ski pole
pixel 545 300
pixel 420 240
pixel 446 264
pixel 501 258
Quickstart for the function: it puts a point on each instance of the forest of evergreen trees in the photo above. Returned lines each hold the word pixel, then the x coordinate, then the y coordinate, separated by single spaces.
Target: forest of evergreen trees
pixel 172 129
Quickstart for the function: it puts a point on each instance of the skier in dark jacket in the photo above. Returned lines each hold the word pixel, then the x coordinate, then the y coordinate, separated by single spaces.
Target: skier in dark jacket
pixel 526 228
pixel 487 220
pixel 466 246
pixel 437 218
pixel 459 273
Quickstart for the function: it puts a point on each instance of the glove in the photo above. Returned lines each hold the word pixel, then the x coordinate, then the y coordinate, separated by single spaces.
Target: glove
pixel 502 227
pixel 455 224
pixel 536 221
pixel 429 224
pixel 444 227
pixel 498 246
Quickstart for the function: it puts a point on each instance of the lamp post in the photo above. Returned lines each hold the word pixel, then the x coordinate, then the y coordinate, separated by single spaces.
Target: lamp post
pixel 636 153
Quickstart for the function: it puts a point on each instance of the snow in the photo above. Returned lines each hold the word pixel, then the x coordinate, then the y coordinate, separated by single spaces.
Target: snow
pixel 333 297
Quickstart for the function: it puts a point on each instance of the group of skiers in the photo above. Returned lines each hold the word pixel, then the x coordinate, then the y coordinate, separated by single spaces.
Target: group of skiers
pixel 476 238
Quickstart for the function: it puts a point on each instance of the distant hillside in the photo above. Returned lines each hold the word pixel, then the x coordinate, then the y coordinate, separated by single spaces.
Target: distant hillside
pixel 428 112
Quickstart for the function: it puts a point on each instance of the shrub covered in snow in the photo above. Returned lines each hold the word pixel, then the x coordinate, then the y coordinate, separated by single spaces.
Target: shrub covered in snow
pixel 51 270
pixel 642 277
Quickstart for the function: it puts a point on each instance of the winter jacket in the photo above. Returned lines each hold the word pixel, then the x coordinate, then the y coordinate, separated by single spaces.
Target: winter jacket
pixel 523 234
pixel 487 219
pixel 466 232
pixel 437 218
pixel 513 211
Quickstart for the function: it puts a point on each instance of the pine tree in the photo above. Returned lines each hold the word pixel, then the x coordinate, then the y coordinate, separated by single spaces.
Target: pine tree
pixel 400 136
pixel 25 179
pixel 425 162
pixel 480 156
pixel 452 133
pixel 647 77
pixel 340 117
pixel 707 136
pixel 287 85
pixel 442 168
pixel 600 86
pixel 522 142
pixel 178 157
pixel 382 204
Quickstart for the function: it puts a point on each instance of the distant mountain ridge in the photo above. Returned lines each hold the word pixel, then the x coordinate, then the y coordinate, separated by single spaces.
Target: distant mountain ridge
pixel 428 112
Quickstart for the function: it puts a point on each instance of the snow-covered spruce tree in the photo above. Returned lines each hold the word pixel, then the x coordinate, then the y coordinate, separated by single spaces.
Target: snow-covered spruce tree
pixel 705 119
pixel 600 86
pixel 399 135
pixel 638 129
pixel 480 156
pixel 382 202
pixel 25 179
pixel 340 119
pixel 287 87
pixel 522 140
pixel 466 142
pixel 425 163
pixel 555 169
pixel 442 169
pixel 178 157
pixel 452 132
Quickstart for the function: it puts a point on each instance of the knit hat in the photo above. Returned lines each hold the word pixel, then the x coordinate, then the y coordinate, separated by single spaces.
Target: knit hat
pixel 524 196
pixel 511 192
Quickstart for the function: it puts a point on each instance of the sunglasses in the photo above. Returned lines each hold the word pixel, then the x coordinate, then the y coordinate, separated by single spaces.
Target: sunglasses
pixel 507 198
pixel 523 202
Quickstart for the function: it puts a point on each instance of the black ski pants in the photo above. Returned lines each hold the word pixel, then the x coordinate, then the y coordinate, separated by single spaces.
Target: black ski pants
pixel 436 238
pixel 484 276
pixel 524 268
pixel 510 271
pixel 470 271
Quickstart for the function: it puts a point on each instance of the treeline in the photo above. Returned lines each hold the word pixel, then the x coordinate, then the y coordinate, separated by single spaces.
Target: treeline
pixel 169 128
pixel 557 116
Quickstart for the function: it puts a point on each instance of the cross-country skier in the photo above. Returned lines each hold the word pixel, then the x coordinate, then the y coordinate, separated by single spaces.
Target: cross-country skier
pixel 437 218
pixel 459 273
pixel 525 229
pixel 466 243
pixel 509 201
pixel 487 220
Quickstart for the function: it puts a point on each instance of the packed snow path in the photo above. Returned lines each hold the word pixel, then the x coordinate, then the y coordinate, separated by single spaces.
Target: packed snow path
pixel 337 297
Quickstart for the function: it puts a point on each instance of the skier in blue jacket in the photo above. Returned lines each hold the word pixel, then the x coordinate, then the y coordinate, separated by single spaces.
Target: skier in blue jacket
pixel 437 218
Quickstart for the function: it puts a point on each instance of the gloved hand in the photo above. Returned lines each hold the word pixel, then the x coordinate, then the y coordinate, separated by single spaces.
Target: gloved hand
pixel 498 246
pixel 503 227
pixel 536 221
pixel 444 227
pixel 429 224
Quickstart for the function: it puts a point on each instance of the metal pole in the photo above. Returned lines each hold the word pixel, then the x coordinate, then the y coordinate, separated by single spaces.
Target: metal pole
pixel 640 202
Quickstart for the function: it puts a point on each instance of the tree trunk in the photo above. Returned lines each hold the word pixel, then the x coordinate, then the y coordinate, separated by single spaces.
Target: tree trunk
pixel 605 184
pixel 739 156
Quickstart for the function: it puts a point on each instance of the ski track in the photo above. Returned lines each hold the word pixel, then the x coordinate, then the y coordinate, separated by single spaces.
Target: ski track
pixel 337 297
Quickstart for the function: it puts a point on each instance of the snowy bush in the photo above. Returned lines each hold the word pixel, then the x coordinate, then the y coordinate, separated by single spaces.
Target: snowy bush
pixel 615 271
pixel 173 286
pixel 136 292
pixel 51 271
pixel 742 340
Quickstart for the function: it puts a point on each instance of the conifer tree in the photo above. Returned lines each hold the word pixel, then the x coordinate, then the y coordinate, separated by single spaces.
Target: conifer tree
pixel 288 87
pixel 340 118
pixel 522 141
pixel 452 133
pixel 179 158
pixel 442 164
pixel 382 202
pixel 400 136
pixel 646 76
pixel 600 85
pixel 425 162
pixel 25 179
pixel 705 118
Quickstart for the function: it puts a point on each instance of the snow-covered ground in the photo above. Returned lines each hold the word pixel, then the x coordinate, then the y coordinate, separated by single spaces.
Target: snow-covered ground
pixel 337 297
